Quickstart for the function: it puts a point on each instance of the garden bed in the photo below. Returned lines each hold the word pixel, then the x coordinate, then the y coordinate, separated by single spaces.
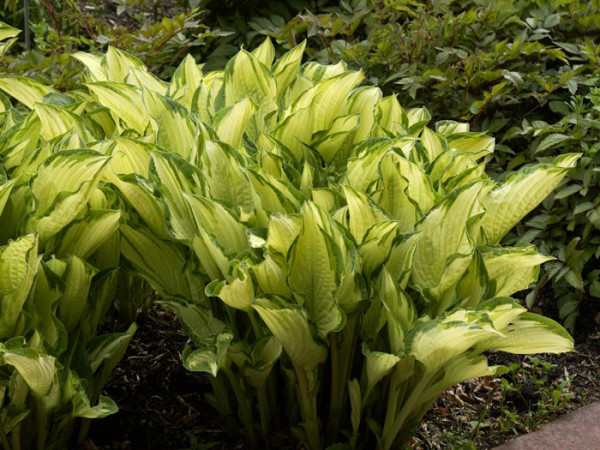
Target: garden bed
pixel 162 406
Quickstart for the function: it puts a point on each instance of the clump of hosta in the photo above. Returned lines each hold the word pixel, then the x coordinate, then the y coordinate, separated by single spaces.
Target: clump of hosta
pixel 59 260
pixel 334 261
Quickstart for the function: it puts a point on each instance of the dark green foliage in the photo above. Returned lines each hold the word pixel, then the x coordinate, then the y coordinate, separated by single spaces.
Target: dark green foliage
pixel 159 33
pixel 468 60
pixel 567 224
pixel 160 36
pixel 247 22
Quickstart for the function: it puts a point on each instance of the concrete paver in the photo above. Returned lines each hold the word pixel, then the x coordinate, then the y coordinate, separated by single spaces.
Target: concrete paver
pixel 579 430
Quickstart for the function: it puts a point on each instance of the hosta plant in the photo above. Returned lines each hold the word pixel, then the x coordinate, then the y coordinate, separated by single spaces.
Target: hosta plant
pixel 59 261
pixel 334 261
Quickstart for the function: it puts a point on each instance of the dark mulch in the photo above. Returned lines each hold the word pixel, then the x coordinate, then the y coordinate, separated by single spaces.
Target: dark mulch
pixel 162 405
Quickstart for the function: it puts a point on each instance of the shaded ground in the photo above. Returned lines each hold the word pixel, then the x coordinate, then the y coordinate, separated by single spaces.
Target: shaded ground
pixel 486 412
pixel 162 405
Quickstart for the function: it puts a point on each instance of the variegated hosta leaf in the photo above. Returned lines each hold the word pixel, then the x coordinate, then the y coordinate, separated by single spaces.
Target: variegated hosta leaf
pixel 476 144
pixel 230 123
pixel 185 81
pixel 474 285
pixel 116 64
pixel 48 288
pixel 390 117
pixel 128 156
pixel 173 177
pixel 5 190
pixel 315 271
pixel 449 127
pixel 104 408
pixel 172 124
pixel 84 237
pixel 406 193
pixel 400 260
pixel 265 353
pixel 436 342
pixel 60 203
pixel 247 77
pixel 237 293
pixel 277 196
pixel 317 72
pixel 401 312
pixel 329 143
pixel 74 392
pixel 460 368
pixel 521 192
pixel 363 101
pixel 160 262
pixel 417 118
pixel 327 97
pixel 363 213
pixel 289 325
pixel 378 365
pixel 445 248
pixel 37 369
pixel 376 246
pixel 6 31
pixel 105 351
pixel 265 53
pixel 271 274
pixel 220 223
pixel 362 172
pixel 295 130
pixel 212 258
pixel 433 143
pixel 221 162
pixel 211 337
pixel 531 333
pixel 57 121
pixel 73 304
pixel 20 141
pixel 511 269
pixel 141 78
pixel 139 195
pixel 25 90
pixel 93 64
pixel 18 266
pixel 124 101
pixel 74 168
pixel 286 67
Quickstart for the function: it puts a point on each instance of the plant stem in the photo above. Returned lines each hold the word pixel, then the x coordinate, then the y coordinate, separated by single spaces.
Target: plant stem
pixel 337 391
pixel 42 423
pixel 308 408
pixel 83 430
pixel 224 406
pixel 342 355
pixel 52 15
pixel 4 438
pixel 258 332
pixel 393 427
pixel 263 410
pixel 26 25
pixel 244 409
